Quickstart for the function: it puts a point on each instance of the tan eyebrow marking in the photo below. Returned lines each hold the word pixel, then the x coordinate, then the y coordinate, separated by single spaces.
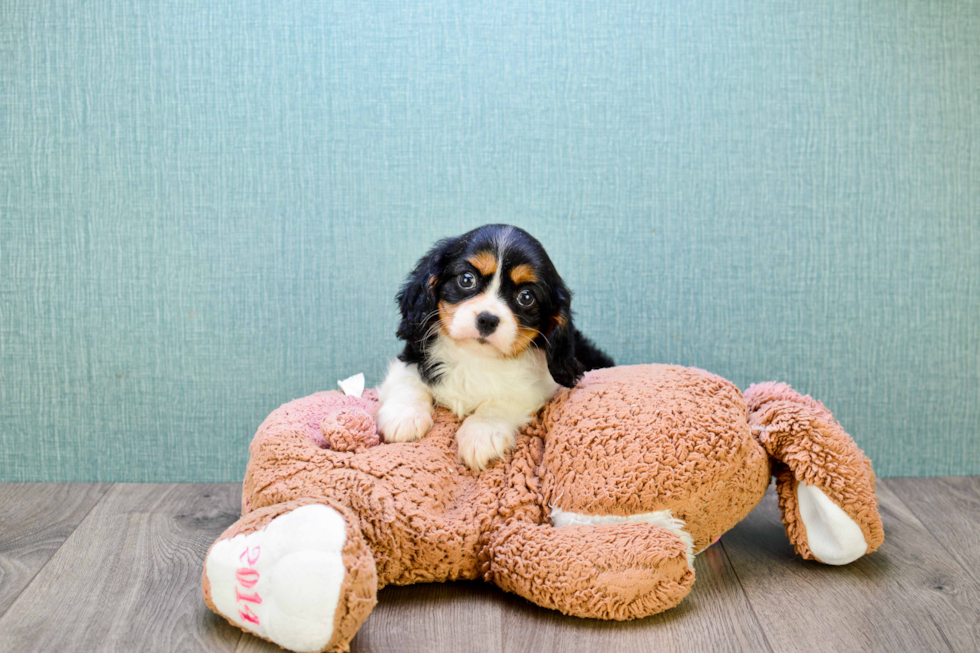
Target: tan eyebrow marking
pixel 523 273
pixel 485 262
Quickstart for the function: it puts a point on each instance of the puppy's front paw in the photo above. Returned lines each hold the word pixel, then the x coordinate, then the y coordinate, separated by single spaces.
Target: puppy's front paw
pixel 404 422
pixel 481 440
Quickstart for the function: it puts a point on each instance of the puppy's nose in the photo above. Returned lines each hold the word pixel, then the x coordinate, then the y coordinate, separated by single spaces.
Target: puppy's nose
pixel 486 323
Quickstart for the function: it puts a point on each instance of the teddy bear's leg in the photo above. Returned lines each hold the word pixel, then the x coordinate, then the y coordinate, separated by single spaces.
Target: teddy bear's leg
pixel 298 574
pixel 608 571
pixel 825 482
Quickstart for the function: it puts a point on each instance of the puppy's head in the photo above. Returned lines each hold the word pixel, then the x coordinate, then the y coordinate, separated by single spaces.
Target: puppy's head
pixel 494 291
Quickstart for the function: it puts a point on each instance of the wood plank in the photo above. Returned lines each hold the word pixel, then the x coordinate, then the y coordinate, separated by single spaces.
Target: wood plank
pixel 715 616
pixel 35 520
pixel 461 617
pixel 950 509
pixel 437 617
pixel 910 595
pixel 129 577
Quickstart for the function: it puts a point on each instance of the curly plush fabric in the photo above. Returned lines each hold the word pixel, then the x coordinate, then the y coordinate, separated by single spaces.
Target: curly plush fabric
pixel 597 512
pixel 811 447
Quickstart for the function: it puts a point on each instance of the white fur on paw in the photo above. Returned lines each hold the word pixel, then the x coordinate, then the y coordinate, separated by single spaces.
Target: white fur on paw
pixel 283 582
pixel 833 537
pixel 404 422
pixel 481 440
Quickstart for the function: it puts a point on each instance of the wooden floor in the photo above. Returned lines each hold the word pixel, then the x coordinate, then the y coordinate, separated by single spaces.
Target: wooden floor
pixel 103 567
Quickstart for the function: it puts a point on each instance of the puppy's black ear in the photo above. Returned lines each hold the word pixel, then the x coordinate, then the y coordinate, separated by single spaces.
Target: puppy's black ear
pixel 418 299
pixel 565 369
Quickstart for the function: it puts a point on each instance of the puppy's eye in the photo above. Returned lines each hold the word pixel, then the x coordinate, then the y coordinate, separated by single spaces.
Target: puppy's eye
pixel 525 298
pixel 466 281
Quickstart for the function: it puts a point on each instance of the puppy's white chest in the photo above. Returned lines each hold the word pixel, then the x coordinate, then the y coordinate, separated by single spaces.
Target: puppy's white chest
pixel 468 380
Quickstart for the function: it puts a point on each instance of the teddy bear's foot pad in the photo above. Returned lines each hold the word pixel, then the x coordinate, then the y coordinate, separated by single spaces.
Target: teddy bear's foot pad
pixel 283 582
pixel 833 537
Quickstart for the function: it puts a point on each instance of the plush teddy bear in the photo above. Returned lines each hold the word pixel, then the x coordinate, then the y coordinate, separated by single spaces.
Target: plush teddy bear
pixel 597 512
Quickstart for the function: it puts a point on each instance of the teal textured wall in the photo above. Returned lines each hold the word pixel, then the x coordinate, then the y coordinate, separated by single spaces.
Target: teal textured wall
pixel 206 207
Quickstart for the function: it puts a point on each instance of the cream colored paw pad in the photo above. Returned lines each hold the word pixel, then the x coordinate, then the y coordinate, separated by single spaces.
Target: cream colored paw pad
pixel 832 536
pixel 283 582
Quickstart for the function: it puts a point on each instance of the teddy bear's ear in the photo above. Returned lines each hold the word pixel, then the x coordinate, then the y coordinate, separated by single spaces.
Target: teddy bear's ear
pixel 418 299
pixel 565 368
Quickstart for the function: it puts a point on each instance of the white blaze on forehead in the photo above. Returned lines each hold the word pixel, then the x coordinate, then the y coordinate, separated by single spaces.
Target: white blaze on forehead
pixel 501 241
pixel 493 290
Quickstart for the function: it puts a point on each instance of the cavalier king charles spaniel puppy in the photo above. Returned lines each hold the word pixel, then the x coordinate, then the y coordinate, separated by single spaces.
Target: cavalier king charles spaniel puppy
pixel 487 325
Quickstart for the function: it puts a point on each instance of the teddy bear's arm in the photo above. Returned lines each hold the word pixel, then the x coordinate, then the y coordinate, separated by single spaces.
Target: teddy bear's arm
pixel 609 571
pixel 825 482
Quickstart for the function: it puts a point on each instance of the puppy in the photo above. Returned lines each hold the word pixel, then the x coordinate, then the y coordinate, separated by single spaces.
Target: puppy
pixel 487 325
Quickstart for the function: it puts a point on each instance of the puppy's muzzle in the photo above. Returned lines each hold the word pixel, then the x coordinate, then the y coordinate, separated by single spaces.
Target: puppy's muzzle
pixel 486 323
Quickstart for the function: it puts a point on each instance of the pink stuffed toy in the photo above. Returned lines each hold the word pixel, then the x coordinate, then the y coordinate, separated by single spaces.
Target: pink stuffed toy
pixel 598 511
